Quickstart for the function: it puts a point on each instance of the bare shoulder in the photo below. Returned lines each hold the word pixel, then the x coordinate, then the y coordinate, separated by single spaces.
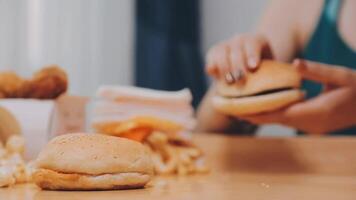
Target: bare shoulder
pixel 281 25
pixel 307 19
pixel 283 9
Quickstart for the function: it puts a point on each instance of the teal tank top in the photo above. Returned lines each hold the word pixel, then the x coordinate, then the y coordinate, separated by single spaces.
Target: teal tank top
pixel 327 46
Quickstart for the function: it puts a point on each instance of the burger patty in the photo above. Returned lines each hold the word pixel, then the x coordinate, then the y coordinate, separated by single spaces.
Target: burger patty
pixel 262 93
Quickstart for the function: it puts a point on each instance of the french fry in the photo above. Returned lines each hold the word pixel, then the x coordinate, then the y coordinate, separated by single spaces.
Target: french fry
pixel 15 144
pixel 184 157
pixel 153 123
pixel 20 174
pixel 158 124
pixel 13 169
pixel 192 152
pixel 124 127
pixel 159 142
pixel 138 134
pixel 200 166
pixel 161 167
pixel 3 153
pixel 171 153
pixel 29 170
pixel 15 159
pixel 6 176
pixel 182 170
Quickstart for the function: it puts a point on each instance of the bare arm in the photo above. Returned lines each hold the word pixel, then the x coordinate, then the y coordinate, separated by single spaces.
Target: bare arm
pixel 208 118
pixel 279 26
pixel 212 121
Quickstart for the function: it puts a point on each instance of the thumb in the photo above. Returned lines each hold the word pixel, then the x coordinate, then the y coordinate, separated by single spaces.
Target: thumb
pixel 323 73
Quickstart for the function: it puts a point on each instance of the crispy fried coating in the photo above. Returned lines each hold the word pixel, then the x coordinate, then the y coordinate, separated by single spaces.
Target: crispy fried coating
pixel 48 83
pixel 10 84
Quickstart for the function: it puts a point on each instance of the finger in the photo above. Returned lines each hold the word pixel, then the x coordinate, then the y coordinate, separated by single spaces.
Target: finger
pixel 308 110
pixel 267 118
pixel 222 62
pixel 305 111
pixel 327 74
pixel 211 64
pixel 212 70
pixel 253 49
pixel 320 105
pixel 237 61
pixel 315 109
pixel 315 114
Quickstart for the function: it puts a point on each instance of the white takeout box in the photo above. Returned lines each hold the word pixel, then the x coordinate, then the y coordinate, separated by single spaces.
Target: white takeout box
pixel 40 120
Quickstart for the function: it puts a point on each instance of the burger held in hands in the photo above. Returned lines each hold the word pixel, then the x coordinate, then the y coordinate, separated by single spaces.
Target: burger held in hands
pixel 273 86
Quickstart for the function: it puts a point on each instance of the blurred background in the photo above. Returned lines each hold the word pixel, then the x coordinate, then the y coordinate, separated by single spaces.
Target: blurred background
pixel 96 38
pixel 152 43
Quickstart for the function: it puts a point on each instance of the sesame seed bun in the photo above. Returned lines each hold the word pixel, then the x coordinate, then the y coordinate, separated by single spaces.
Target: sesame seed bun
pixel 92 162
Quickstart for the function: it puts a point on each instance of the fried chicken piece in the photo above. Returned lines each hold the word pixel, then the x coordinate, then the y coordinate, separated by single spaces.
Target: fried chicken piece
pixel 10 84
pixel 48 83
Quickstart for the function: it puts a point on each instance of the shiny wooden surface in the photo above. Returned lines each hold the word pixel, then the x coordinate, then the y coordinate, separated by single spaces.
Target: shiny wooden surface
pixel 243 168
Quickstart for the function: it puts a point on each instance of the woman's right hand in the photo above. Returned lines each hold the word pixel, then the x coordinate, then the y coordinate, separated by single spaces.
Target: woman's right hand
pixel 230 60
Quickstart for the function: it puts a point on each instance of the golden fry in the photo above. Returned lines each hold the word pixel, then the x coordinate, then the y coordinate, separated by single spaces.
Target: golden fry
pixel 15 144
pixel 6 176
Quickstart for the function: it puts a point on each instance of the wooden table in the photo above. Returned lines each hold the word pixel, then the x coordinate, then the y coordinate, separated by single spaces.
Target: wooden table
pixel 243 168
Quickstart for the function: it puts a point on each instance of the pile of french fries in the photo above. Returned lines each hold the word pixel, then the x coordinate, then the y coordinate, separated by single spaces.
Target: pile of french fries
pixel 171 153
pixel 171 158
pixel 13 169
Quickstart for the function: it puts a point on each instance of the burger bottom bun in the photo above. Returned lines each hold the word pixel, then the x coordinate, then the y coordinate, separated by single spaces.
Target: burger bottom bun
pixel 52 180
pixel 257 104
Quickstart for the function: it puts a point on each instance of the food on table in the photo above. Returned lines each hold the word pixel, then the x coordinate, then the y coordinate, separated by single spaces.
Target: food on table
pixel 10 84
pixel 13 168
pixel 273 86
pixel 9 125
pixel 15 144
pixel 92 162
pixel 171 152
pixel 47 83
pixel 160 120
pixel 139 127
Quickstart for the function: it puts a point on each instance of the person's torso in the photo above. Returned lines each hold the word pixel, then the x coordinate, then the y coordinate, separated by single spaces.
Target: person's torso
pixel 327 45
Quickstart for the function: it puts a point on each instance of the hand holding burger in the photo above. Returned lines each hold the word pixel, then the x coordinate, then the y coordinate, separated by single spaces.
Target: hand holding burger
pixel 334 109
pixel 239 60
pixel 273 86
pixel 230 60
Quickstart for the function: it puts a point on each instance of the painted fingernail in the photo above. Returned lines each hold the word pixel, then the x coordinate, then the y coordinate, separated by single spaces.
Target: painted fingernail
pixel 239 74
pixel 229 78
pixel 252 63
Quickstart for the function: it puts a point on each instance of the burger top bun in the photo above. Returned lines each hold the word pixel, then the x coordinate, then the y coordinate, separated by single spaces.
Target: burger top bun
pixel 269 76
pixel 94 154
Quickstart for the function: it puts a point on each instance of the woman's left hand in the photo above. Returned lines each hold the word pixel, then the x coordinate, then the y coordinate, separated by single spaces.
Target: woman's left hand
pixel 333 109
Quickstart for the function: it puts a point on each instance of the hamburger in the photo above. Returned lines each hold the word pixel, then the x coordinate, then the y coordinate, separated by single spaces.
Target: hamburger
pixel 92 162
pixel 273 86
